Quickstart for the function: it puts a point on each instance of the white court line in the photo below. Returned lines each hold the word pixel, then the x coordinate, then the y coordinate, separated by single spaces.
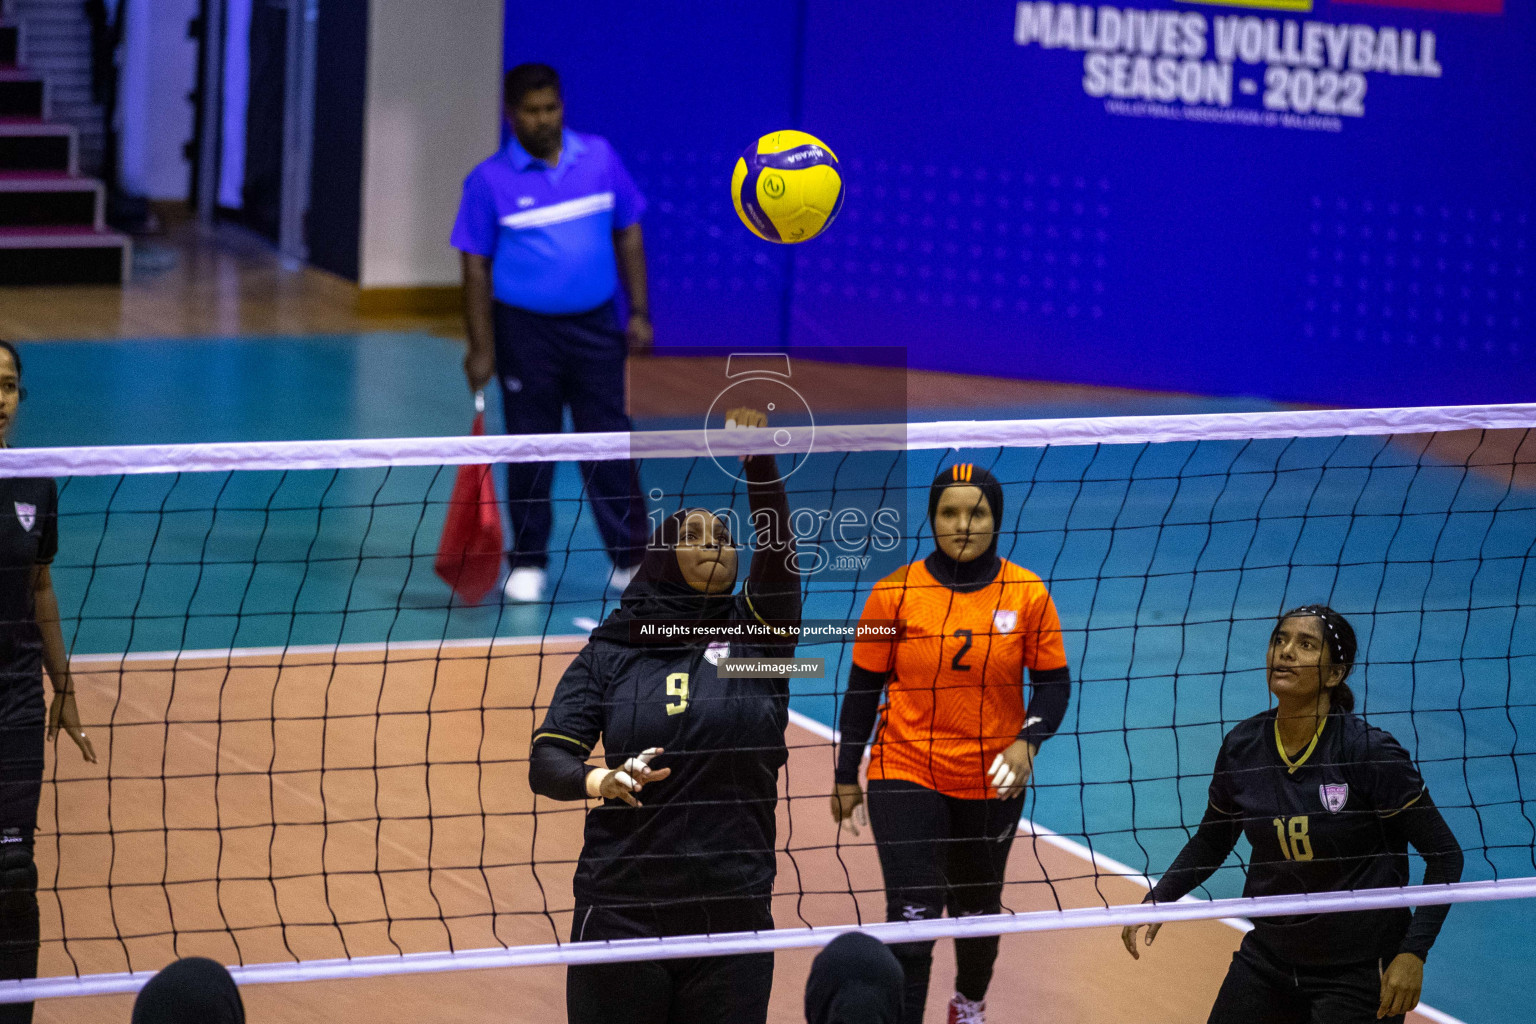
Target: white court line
pixel 1102 863
pixel 368 966
pixel 231 653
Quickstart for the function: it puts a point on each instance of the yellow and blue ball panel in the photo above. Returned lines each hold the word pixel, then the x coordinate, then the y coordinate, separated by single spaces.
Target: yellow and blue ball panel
pixel 787 187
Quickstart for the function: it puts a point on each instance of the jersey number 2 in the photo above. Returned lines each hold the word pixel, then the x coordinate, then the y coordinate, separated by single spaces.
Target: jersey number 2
pixel 677 687
pixel 956 663
pixel 1295 843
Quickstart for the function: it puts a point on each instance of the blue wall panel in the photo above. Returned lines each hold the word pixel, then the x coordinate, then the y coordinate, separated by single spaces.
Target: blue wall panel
pixel 1002 220
pixel 680 90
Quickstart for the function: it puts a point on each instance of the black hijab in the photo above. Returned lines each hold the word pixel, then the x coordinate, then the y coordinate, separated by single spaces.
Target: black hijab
pixel 193 990
pixel 981 570
pixel 855 980
pixel 660 593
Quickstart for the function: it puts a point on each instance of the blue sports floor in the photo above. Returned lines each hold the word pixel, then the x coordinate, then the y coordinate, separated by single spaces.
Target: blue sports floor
pixel 1167 564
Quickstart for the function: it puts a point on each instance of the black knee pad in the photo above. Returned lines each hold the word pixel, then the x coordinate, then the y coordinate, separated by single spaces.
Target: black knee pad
pixel 973 900
pixel 913 955
pixel 18 875
pixel 18 913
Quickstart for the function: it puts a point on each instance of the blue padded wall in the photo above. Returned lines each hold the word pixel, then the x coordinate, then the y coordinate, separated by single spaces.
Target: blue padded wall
pixel 1002 220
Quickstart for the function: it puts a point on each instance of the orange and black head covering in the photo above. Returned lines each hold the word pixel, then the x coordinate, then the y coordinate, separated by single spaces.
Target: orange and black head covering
pixel 967 474
pixel 982 569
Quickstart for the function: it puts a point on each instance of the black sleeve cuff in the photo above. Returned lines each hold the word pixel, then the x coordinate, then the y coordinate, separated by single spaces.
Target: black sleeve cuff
pixel 1050 693
pixel 861 706
pixel 556 771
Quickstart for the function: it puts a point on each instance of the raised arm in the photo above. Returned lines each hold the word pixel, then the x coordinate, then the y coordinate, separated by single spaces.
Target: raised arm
pixel 773 585
pixel 563 775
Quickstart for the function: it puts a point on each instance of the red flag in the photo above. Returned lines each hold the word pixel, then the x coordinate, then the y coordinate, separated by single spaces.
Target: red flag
pixel 469 554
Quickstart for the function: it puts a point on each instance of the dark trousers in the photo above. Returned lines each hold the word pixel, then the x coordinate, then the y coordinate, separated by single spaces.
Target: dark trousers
pixel 941 853
pixel 21 783
pixel 1260 988
pixel 692 990
pixel 545 363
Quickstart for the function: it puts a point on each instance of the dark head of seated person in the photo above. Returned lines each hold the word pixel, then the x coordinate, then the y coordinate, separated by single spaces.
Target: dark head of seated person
pixel 193 990
pixel 854 980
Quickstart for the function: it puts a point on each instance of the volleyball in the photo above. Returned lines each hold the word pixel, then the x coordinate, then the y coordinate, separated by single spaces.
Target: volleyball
pixel 787 187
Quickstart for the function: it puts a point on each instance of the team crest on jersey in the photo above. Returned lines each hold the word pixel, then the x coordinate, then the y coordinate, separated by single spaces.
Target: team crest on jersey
pixel 26 515
pixel 1334 796
pixel 1003 620
pixel 715 651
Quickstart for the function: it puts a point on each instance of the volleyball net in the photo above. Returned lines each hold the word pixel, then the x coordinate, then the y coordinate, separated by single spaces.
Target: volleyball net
pixel 314 758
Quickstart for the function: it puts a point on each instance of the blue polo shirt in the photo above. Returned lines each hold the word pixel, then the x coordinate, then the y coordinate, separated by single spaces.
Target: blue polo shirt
pixel 549 230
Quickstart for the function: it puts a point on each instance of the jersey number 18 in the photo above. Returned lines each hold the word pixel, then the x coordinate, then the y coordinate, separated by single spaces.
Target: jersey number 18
pixel 1295 844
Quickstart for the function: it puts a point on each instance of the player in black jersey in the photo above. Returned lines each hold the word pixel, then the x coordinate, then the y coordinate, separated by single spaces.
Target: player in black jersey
pixel 1329 804
pixel 683 840
pixel 30 641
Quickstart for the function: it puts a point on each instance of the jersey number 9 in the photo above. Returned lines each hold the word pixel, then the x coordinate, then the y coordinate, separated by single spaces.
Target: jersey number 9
pixel 1295 843
pixel 677 687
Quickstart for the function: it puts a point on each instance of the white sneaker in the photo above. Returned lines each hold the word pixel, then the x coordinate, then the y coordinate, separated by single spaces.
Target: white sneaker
pixel 620 578
pixel 964 1011
pixel 525 585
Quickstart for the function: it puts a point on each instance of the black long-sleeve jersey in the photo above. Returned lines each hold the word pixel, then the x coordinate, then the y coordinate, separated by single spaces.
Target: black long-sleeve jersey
pixel 1339 816
pixel 29 537
pixel 708 831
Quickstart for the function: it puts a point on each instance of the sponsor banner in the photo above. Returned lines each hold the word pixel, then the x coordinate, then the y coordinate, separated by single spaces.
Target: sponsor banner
pixel 1266 63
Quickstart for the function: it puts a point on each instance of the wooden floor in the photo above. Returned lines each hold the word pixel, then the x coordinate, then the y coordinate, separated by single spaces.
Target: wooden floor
pixel 222 283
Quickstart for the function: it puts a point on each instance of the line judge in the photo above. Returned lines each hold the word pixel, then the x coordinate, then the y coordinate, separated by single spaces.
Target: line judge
pixel 548 228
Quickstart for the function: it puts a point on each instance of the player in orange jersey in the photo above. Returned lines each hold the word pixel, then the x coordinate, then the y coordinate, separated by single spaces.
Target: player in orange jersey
pixel 956 743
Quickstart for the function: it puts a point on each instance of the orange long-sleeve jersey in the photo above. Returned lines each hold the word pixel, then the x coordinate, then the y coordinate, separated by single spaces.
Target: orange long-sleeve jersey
pixel 955 693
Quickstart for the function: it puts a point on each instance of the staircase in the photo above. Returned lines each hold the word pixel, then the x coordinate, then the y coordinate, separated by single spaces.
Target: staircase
pixel 52 219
